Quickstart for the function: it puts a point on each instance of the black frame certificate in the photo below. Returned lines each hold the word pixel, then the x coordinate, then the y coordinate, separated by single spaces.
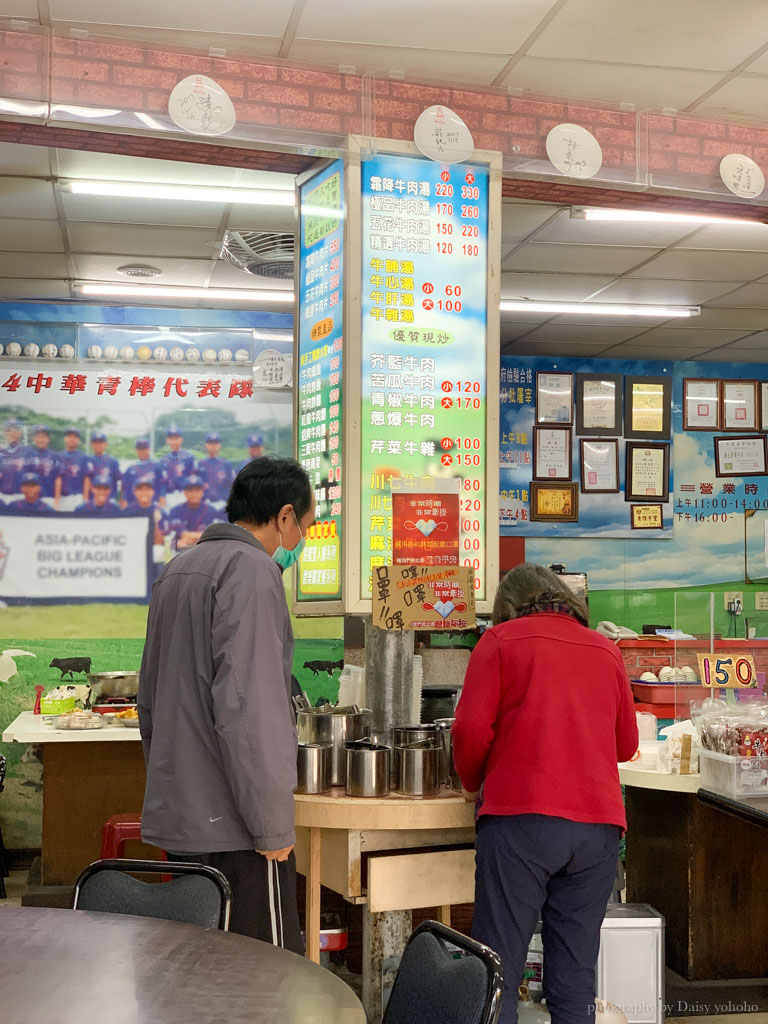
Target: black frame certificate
pixel 552 453
pixel 648 407
pixel 647 472
pixel 701 403
pixel 599 402
pixel 600 466
pixel 739 405
pixel 554 398
pixel 741 456
pixel 554 502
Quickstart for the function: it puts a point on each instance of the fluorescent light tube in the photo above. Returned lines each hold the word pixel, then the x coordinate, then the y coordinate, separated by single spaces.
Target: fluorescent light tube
pixel 654 217
pixel 162 292
pixel 599 308
pixel 186 193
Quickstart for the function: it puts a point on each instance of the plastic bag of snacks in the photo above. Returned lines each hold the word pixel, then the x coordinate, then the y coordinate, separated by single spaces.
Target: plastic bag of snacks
pixel 739 731
pixel 679 755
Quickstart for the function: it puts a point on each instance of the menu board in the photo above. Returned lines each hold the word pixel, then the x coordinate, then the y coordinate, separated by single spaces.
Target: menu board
pixel 320 342
pixel 423 344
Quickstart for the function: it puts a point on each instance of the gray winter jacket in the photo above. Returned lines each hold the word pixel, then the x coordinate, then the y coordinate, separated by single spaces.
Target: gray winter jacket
pixel 216 721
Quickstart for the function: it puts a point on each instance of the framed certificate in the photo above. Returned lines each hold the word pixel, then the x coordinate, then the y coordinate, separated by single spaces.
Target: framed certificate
pixel 554 502
pixel 552 453
pixel 646 517
pixel 600 466
pixel 599 402
pixel 701 404
pixel 647 407
pixel 741 456
pixel 763 391
pixel 554 398
pixel 647 472
pixel 739 405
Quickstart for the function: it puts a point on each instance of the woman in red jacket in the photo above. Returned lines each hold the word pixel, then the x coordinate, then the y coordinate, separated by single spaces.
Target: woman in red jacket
pixel 545 715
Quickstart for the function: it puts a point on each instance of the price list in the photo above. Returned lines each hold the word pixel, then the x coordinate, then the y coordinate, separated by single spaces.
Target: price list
pixel 319 384
pixel 424 327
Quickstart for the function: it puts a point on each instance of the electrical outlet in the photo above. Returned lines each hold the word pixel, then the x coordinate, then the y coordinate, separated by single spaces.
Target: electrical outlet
pixel 733 595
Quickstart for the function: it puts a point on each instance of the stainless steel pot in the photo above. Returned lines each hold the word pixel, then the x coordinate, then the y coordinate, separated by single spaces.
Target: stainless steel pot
pixel 314 768
pixel 367 764
pixel 113 684
pixel 417 770
pixel 322 725
pixel 405 735
pixel 448 774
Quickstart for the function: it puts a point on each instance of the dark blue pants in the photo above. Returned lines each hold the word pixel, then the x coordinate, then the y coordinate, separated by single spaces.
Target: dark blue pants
pixel 531 865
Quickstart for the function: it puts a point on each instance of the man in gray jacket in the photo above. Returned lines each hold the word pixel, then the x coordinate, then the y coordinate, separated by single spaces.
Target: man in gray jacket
pixel 214 704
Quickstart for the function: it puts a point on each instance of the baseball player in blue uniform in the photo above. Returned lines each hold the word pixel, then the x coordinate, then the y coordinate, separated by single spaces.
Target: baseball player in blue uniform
pixel 177 464
pixel 142 468
pixel 189 519
pixel 75 468
pixel 217 473
pixel 44 462
pixel 143 500
pixel 103 464
pixel 12 458
pixel 100 503
pixel 255 444
pixel 31 486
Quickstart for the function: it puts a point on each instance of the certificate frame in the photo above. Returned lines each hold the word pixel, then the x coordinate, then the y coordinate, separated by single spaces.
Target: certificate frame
pixel 639 513
pixel 697 419
pixel 542 471
pixel 549 410
pixel 758 443
pixel 729 416
pixel 568 498
pixel 763 393
pixel 631 493
pixel 595 486
pixel 660 427
pixel 583 425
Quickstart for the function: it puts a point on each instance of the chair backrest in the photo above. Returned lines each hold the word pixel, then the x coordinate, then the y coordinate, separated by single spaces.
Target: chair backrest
pixel 3 766
pixel 438 981
pixel 200 895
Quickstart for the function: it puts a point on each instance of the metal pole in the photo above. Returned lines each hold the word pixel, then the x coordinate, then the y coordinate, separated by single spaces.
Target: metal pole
pixel 388 678
pixel 385 937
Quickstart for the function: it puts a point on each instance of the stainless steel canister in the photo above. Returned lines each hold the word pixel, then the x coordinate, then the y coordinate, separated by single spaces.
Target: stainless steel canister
pixel 336 728
pixel 448 774
pixel 367 768
pixel 405 735
pixel 314 768
pixel 417 769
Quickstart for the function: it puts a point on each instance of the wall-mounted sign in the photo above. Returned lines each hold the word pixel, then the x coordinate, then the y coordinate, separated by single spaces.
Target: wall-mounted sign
pixel 441 135
pixel 742 176
pixel 319 365
pixel 574 151
pixel 421 597
pixel 200 106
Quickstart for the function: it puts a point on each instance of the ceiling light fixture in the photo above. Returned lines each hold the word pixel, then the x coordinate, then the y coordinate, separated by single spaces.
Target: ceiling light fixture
pixel 163 292
pixel 186 193
pixel 654 217
pixel 596 308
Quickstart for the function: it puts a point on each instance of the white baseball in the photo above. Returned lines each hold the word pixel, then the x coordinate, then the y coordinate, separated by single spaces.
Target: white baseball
pixel 242 355
pixel 209 355
pixel 160 353
pixel 31 349
pixel 94 352
pixel 126 352
pixel 67 351
pixel 13 348
pixel 193 354
pixel 50 351
pixel 225 355
pixel 110 352
pixel 177 354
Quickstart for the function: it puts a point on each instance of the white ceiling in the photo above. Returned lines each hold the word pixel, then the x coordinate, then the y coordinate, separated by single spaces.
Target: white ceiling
pixel 705 56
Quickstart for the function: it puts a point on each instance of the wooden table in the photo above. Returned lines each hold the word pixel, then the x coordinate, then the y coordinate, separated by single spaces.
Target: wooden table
pixel 84 968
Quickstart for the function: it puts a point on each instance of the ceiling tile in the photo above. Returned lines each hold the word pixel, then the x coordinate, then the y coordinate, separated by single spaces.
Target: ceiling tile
pixel 518 220
pixel 33 264
pixel 742 318
pixel 113 167
pixel 750 295
pixel 543 348
pixel 26 161
pixel 490 26
pixel 637 350
pixel 234 42
pixel 21 9
pixel 724 355
pixel 753 236
pixel 565 287
pixel 742 97
pixel 33 289
pixel 175 271
pixel 227 276
pixel 683 34
pixel 596 232
pixel 30 236
pixel 758 339
pixel 143 242
pixel 674 337
pixel 611 83
pixel 27 197
pixel 676 293
pixel 600 336
pixel 141 211
pixel 705 265
pixel 569 259
pixel 437 65
pixel 227 16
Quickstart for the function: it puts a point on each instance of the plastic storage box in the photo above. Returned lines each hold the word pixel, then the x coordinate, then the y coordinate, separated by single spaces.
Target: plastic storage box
pixel 733 776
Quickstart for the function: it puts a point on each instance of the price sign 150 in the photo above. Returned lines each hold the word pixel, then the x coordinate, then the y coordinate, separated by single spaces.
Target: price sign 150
pixel 727 671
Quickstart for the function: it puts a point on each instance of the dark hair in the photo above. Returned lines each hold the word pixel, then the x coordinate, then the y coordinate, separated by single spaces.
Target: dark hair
pixel 530 584
pixel 262 488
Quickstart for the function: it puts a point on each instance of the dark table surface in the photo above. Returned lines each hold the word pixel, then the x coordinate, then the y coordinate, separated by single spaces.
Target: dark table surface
pixel 755 809
pixel 72 967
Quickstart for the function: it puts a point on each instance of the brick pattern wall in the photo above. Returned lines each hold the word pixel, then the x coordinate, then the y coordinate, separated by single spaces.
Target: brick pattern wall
pixel 293 101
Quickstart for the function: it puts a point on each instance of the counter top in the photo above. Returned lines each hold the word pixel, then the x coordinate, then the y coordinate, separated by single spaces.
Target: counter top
pixel 646 778
pixel 31 728
pixel 754 809
pixel 337 810
pixel 649 640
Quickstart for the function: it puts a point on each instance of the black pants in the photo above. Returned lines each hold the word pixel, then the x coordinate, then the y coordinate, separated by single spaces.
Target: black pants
pixel 263 895
pixel 533 864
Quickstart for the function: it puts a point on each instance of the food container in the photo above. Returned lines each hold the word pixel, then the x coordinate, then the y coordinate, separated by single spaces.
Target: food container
pixel 736 777
pixel 335 727
pixel 448 775
pixel 667 693
pixel 314 768
pixel 112 684
pixel 405 735
pixel 417 770
pixel 367 768
pixel 57 707
pixel 80 720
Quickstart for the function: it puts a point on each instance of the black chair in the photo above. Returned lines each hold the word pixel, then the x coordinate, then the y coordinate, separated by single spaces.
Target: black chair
pixel 445 976
pixel 201 896
pixel 4 872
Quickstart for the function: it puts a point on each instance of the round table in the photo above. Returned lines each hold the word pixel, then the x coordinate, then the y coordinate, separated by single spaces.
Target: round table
pixel 73 967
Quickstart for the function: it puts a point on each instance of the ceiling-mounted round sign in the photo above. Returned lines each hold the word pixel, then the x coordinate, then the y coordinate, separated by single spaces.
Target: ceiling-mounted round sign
pixel 742 176
pixel 441 135
pixel 574 151
pixel 200 106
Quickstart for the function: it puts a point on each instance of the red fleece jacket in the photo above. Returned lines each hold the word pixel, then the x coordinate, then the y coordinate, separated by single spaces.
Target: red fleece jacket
pixel 545 715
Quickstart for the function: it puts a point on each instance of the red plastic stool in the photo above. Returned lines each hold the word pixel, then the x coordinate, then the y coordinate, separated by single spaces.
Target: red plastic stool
pixel 119 830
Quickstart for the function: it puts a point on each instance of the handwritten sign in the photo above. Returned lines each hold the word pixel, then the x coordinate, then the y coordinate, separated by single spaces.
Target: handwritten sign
pixel 741 175
pixel 574 151
pixel 423 597
pixel 733 670
pixel 441 135
pixel 200 106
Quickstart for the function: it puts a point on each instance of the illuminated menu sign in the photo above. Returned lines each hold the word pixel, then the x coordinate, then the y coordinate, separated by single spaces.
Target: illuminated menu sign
pixel 424 327
pixel 320 340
